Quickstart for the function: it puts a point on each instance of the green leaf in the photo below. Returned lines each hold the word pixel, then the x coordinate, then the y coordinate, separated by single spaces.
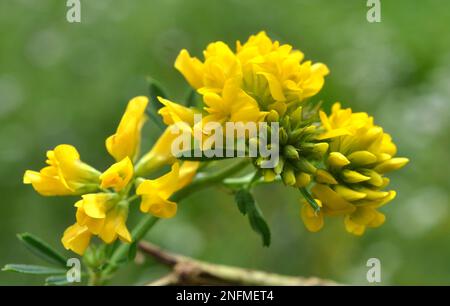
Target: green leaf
pixel 42 249
pixel 155 90
pixel 31 269
pixel 259 225
pixel 248 206
pixel 57 280
pixel 242 197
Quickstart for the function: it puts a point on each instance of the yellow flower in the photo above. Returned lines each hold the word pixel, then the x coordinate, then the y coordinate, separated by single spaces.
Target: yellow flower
pixel 363 217
pixel 156 193
pixel 126 141
pixel 76 238
pixel 219 66
pixel 281 68
pixel 313 220
pixel 118 175
pixel 342 122
pixel 256 47
pixel 353 181
pixel 234 105
pixel 65 174
pixel 97 214
pixel 265 70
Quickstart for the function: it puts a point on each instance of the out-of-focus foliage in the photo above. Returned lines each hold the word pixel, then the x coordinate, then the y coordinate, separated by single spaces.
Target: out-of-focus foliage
pixel 70 82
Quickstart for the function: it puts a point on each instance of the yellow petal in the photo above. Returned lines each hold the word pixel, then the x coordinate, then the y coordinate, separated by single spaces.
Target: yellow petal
pixel 375 178
pixel 332 202
pixel 126 141
pixel 114 226
pixel 324 177
pixel 337 160
pixel 313 222
pixel 94 225
pixel 354 228
pixel 118 175
pixel 175 113
pixel 96 205
pixel 76 238
pixel 164 186
pixel 362 158
pixel 357 222
pixel 391 164
pixel 350 176
pixel 275 86
pixel 46 185
pixel 158 207
pixel 349 194
pixel 191 68
pixel 373 194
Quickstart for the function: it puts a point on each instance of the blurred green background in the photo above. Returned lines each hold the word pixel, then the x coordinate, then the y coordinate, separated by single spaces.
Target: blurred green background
pixel 69 83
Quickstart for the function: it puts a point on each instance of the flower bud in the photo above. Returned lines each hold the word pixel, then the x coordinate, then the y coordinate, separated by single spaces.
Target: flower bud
pixel 279 167
pixel 290 152
pixel 288 176
pixel 305 166
pixel 302 179
pixel 272 116
pixel 283 136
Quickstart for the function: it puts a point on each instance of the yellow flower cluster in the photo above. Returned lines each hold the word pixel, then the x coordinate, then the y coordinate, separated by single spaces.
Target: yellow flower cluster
pixel 103 209
pixel 344 156
pixel 353 180
pixel 243 85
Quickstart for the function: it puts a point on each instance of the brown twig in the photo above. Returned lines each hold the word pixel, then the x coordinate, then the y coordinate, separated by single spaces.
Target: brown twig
pixel 188 271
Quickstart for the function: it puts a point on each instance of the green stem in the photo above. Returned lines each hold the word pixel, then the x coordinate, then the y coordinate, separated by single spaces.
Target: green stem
pixel 121 252
pixel 148 221
pixel 207 180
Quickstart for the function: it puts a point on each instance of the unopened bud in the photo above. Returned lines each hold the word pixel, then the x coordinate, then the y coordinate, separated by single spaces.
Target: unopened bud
pixel 291 152
pixel 283 136
pixel 288 176
pixel 279 167
pixel 296 116
pixel 302 179
pixel 269 175
pixel 272 116
pixel 320 149
pixel 305 166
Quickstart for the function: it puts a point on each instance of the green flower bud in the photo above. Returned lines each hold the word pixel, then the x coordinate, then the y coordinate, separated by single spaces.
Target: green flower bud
pixel 272 116
pixel 296 135
pixel 283 136
pixel 288 176
pixel 320 149
pixel 297 116
pixel 305 166
pixel 302 179
pixel 279 167
pixel 269 175
pixel 291 152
